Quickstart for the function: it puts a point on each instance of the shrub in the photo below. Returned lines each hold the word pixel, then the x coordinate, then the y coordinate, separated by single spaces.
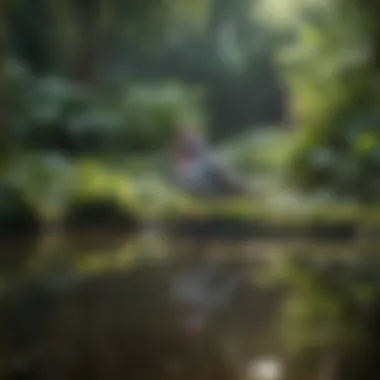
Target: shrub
pixel 17 217
pixel 55 114
pixel 100 211
pixel 332 96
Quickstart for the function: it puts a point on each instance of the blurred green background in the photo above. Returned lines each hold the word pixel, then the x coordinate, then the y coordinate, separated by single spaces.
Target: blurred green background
pixel 92 93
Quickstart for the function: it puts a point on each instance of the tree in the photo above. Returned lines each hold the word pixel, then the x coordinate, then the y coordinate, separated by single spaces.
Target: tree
pixel 83 30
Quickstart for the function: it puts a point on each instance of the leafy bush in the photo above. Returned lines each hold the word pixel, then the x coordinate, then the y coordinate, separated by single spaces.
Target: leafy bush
pixel 332 99
pixel 347 163
pixel 101 211
pixel 46 181
pixel 50 183
pixel 153 111
pixel 16 215
pixel 102 197
pixel 52 113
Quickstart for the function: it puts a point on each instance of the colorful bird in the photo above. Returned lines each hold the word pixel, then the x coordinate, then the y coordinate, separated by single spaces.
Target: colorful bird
pixel 200 171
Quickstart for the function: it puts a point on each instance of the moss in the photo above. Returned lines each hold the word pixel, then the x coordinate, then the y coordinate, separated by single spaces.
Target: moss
pixel 240 219
pixel 248 210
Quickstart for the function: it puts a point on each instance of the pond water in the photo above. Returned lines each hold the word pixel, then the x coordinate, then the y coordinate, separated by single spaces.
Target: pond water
pixel 100 304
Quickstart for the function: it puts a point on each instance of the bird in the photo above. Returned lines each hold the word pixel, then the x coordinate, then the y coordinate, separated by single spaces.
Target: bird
pixel 204 177
pixel 200 172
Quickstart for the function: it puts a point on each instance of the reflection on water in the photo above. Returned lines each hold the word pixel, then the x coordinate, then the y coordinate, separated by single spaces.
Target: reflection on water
pixel 100 304
pixel 266 368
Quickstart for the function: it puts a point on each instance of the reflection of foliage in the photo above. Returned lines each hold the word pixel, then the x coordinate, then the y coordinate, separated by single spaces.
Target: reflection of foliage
pixel 325 305
pixel 94 264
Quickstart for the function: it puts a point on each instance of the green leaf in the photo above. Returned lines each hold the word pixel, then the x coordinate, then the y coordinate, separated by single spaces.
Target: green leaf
pixel 310 36
pixel 365 143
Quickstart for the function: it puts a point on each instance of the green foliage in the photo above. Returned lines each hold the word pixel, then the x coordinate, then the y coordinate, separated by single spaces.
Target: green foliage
pixel 52 113
pixel 152 112
pixel 56 114
pixel 50 184
pixel 101 211
pixel 346 162
pixel 329 71
pixel 95 177
pixel 102 197
pixel 263 149
pixel 80 32
pixel 45 181
pixel 16 215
